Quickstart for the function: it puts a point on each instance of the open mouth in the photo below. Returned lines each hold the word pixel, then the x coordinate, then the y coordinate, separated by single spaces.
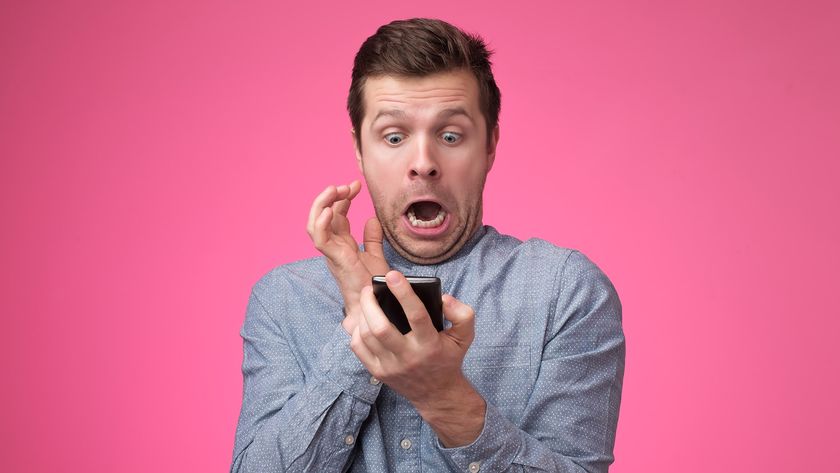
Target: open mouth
pixel 425 214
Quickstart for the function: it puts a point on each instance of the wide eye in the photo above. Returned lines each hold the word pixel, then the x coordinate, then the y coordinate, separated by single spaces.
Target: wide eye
pixel 450 137
pixel 394 138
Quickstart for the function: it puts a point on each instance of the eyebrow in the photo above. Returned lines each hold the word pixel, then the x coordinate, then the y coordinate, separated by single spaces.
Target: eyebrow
pixel 391 112
pixel 445 113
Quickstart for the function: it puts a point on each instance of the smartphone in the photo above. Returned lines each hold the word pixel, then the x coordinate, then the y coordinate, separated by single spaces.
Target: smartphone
pixel 426 288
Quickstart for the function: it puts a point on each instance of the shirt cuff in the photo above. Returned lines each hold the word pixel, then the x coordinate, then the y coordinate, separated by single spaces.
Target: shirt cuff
pixel 343 369
pixel 494 450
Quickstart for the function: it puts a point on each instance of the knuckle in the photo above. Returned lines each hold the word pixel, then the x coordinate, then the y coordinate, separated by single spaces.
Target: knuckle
pixel 415 315
pixel 411 364
pixel 379 331
pixel 433 353
pixel 364 331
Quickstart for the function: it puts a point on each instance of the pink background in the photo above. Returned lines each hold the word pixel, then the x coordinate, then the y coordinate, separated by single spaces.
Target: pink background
pixel 159 157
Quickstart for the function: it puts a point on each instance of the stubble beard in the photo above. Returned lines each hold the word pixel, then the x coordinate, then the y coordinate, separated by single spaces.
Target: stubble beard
pixel 455 240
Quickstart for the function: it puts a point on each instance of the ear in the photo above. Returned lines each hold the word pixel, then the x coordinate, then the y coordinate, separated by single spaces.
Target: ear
pixel 491 148
pixel 357 147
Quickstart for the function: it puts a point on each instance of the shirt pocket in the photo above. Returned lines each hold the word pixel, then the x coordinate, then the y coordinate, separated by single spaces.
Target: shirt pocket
pixel 501 374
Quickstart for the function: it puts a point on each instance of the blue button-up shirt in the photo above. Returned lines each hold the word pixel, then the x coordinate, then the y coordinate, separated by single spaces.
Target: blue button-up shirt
pixel 548 358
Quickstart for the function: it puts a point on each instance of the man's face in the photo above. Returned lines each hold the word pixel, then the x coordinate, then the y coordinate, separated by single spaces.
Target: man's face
pixel 425 158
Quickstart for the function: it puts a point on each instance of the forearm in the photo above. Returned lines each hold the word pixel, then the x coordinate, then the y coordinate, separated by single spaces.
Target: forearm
pixel 471 432
pixel 291 421
pixel 455 414
pixel 570 420
pixel 309 430
pixel 503 447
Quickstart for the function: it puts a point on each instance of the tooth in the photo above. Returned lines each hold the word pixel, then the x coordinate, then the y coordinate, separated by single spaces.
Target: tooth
pixel 416 222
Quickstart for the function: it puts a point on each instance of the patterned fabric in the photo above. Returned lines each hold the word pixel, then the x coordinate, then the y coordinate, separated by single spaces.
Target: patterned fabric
pixel 548 358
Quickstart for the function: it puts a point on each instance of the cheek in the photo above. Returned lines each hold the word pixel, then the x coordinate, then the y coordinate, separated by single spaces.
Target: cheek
pixel 383 196
pixel 470 178
pixel 382 178
pixel 381 159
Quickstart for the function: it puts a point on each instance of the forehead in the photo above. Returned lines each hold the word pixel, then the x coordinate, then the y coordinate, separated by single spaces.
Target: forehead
pixel 418 94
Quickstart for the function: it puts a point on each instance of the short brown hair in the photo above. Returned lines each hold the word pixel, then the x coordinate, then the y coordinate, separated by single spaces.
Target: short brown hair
pixel 420 47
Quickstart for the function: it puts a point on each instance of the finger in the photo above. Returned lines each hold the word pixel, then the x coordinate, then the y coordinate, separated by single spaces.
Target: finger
pixel 341 192
pixel 415 310
pixel 462 317
pixel 324 199
pixel 380 327
pixel 321 229
pixel 342 206
pixel 371 342
pixel 340 223
pixel 373 238
pixel 362 352
pixel 355 188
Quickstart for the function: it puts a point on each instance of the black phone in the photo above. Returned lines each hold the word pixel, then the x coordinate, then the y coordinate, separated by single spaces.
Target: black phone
pixel 426 288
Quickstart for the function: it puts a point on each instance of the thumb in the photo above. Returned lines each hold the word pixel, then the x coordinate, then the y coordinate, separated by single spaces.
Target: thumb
pixel 462 317
pixel 373 238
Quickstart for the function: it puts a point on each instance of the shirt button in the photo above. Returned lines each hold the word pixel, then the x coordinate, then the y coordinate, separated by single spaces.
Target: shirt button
pixel 374 381
pixel 349 440
pixel 405 444
pixel 474 467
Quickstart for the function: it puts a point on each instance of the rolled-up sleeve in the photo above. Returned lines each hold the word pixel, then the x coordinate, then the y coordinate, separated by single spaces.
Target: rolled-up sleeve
pixel 570 420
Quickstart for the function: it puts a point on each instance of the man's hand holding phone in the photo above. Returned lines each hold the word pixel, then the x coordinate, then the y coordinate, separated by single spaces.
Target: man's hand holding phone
pixel 329 229
pixel 424 365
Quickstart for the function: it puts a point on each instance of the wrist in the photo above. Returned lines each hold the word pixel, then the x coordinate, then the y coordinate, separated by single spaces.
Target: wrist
pixel 456 414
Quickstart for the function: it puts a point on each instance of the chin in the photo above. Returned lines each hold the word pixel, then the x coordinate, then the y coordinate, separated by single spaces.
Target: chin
pixel 427 258
pixel 427 252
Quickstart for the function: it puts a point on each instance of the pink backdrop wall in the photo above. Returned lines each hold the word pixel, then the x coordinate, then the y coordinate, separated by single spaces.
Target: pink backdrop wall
pixel 158 157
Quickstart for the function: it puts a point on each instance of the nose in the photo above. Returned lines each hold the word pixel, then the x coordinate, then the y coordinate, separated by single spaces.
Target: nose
pixel 424 163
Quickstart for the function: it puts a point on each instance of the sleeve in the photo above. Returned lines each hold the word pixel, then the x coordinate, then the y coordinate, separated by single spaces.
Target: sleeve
pixel 571 417
pixel 294 423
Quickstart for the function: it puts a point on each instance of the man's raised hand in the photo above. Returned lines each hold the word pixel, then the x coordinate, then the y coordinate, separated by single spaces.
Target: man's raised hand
pixel 329 229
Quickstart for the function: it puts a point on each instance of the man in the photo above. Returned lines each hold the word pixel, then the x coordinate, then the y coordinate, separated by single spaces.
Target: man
pixel 528 374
